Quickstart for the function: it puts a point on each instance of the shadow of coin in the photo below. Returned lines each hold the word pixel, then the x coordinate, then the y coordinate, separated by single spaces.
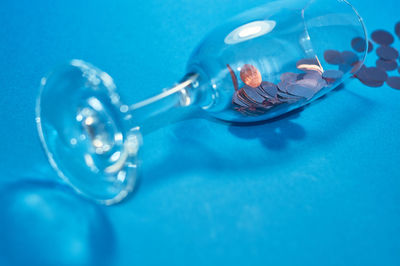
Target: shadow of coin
pixel 45 223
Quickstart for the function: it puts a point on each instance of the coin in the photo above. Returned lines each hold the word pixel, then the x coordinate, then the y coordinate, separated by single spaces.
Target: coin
pixel 312 75
pixel 239 101
pixel 252 94
pixel 289 76
pixel 382 37
pixel 387 65
pixel 309 83
pixel 233 76
pixel 332 75
pixel 250 76
pixel 333 57
pixel 393 82
pixel 269 88
pixel 301 91
pixel 287 98
pixel 387 53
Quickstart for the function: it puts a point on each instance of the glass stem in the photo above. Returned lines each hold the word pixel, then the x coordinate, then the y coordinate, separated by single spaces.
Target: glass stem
pixel 166 107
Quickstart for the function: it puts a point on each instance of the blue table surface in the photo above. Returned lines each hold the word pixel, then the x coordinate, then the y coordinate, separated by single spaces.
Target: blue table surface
pixel 319 187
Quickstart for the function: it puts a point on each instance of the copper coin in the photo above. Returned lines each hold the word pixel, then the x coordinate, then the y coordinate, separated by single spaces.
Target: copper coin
pixel 394 82
pixel 269 88
pixel 333 57
pixel 387 65
pixel 332 74
pixel 245 98
pixel 289 76
pixel 250 76
pixel 387 53
pixel 313 75
pixel 309 83
pixel 382 37
pixel 288 98
pixel 239 101
pixel 397 29
pixel 252 94
pixel 301 91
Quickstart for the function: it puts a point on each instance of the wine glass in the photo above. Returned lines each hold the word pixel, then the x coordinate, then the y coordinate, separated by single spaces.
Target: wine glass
pixel 259 65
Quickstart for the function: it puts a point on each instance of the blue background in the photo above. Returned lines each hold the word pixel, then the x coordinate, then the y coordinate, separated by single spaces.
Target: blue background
pixel 319 187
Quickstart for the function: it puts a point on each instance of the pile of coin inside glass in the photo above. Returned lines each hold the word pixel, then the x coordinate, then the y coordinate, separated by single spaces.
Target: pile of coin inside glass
pixel 258 96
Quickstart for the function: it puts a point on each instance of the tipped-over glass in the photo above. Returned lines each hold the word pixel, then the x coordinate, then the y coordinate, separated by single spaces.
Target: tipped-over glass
pixel 259 65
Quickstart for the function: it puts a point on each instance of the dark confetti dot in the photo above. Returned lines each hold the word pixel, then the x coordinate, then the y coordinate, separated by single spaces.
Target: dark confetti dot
pixel 382 37
pixel 357 67
pixel 393 82
pixel 333 57
pixel 387 65
pixel 370 47
pixel 359 44
pixel 374 84
pixel 349 58
pixel 387 53
pixel 397 29
pixel 371 76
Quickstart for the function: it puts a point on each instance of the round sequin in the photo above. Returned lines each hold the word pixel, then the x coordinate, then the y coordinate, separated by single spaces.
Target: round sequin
pixel 333 57
pixel 393 82
pixel 387 53
pixel 382 37
pixel 387 65
pixel 359 44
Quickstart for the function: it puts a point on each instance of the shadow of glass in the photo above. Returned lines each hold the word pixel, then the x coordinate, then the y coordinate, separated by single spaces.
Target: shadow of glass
pixel 274 134
pixel 45 223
